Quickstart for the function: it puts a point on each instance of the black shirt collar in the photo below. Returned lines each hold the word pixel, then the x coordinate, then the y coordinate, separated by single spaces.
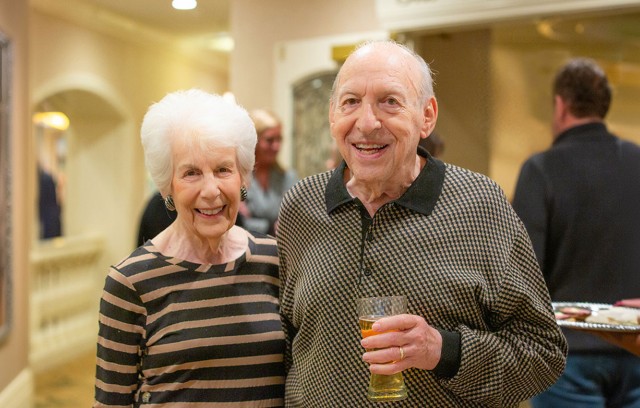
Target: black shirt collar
pixel 421 196
pixel 593 131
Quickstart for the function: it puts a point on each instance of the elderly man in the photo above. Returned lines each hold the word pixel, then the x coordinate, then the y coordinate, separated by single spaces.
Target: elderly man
pixel 392 220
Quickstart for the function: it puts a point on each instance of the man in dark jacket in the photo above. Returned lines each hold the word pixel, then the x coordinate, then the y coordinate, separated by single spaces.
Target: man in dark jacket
pixel 579 202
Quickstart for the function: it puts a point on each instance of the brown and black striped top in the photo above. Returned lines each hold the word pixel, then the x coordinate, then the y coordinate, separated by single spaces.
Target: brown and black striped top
pixel 179 334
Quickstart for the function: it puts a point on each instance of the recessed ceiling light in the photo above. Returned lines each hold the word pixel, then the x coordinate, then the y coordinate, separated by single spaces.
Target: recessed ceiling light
pixel 184 4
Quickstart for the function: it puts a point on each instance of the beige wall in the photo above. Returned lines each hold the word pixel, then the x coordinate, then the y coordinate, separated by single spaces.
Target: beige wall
pixel 106 83
pixel 14 349
pixel 257 26
pixel 461 65
pixel 521 120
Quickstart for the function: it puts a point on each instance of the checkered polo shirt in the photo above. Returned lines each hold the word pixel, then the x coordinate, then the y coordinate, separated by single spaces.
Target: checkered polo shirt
pixel 453 245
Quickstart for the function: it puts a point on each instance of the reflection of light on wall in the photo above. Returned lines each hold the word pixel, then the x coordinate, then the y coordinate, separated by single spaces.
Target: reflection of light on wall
pixel 545 29
pixel 53 120
pixel 221 42
pixel 184 4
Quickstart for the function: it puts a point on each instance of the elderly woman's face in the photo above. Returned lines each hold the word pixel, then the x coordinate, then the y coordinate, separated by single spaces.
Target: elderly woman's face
pixel 206 188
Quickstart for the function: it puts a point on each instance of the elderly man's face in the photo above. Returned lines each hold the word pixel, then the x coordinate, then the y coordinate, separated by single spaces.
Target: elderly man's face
pixel 376 115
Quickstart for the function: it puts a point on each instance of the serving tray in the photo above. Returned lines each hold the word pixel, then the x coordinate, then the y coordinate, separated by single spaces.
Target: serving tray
pixel 595 308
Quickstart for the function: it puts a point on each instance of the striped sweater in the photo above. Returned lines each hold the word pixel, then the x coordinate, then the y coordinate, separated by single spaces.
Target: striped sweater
pixel 174 333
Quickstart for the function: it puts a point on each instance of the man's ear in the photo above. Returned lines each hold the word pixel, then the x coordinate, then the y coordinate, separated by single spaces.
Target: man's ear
pixel 430 114
pixel 560 105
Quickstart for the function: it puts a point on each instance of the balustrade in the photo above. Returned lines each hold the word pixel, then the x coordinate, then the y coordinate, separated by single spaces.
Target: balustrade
pixel 65 291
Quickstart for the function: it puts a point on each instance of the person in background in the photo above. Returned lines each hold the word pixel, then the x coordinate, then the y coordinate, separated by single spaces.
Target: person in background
pixel 578 201
pixel 155 218
pixel 269 180
pixel 392 220
pixel 49 207
pixel 334 157
pixel 434 144
pixel 191 317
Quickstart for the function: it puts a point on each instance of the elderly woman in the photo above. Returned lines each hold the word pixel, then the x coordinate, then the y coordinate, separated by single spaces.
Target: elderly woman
pixel 192 315
pixel 269 180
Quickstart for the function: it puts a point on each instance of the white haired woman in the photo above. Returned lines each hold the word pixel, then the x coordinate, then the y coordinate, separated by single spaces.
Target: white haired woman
pixel 192 315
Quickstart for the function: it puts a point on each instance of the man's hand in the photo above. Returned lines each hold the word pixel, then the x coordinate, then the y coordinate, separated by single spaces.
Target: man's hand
pixel 404 341
pixel 627 341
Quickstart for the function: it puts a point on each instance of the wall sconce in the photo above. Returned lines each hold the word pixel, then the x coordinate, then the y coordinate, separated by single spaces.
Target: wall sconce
pixel 52 120
pixel 339 53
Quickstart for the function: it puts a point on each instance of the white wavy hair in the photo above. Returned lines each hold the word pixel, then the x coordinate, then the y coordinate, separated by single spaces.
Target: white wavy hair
pixel 208 119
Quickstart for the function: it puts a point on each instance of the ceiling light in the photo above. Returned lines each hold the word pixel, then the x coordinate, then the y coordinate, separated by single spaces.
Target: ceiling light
pixel 184 4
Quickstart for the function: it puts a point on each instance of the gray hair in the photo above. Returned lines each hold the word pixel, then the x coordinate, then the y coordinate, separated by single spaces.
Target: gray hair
pixel 205 118
pixel 426 76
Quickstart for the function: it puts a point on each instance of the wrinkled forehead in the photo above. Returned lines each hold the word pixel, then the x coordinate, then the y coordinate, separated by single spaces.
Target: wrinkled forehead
pixel 381 62
pixel 197 142
pixel 388 51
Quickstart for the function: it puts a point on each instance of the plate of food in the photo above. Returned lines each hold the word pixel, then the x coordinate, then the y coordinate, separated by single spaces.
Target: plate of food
pixel 597 316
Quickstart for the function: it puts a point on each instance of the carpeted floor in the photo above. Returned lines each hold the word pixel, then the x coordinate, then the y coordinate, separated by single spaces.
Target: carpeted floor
pixel 68 386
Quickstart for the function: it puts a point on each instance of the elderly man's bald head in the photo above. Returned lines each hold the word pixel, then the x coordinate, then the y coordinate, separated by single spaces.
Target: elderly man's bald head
pixel 424 79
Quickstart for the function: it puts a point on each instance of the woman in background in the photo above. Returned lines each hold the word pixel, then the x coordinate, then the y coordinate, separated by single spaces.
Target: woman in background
pixel 192 315
pixel 270 180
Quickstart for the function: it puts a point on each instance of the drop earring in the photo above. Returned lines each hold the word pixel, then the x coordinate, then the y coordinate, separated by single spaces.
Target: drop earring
pixel 243 193
pixel 168 202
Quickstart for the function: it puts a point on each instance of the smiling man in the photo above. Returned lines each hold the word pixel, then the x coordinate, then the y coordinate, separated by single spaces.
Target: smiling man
pixel 392 220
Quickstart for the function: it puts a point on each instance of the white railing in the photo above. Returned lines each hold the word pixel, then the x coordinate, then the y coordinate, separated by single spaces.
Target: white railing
pixel 64 299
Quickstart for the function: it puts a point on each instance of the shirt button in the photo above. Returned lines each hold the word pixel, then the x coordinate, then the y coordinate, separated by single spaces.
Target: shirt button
pixel 146 397
pixel 367 272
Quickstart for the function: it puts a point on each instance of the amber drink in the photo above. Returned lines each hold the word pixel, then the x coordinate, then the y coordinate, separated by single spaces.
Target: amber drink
pixel 382 387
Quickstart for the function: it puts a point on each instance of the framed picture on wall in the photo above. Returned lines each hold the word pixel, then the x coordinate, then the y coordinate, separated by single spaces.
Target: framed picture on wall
pixel 5 187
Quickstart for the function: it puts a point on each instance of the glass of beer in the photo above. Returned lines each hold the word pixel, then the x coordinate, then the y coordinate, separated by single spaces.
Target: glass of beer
pixel 382 387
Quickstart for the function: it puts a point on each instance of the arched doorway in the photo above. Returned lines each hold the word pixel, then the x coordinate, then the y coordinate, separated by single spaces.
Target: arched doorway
pixel 91 163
